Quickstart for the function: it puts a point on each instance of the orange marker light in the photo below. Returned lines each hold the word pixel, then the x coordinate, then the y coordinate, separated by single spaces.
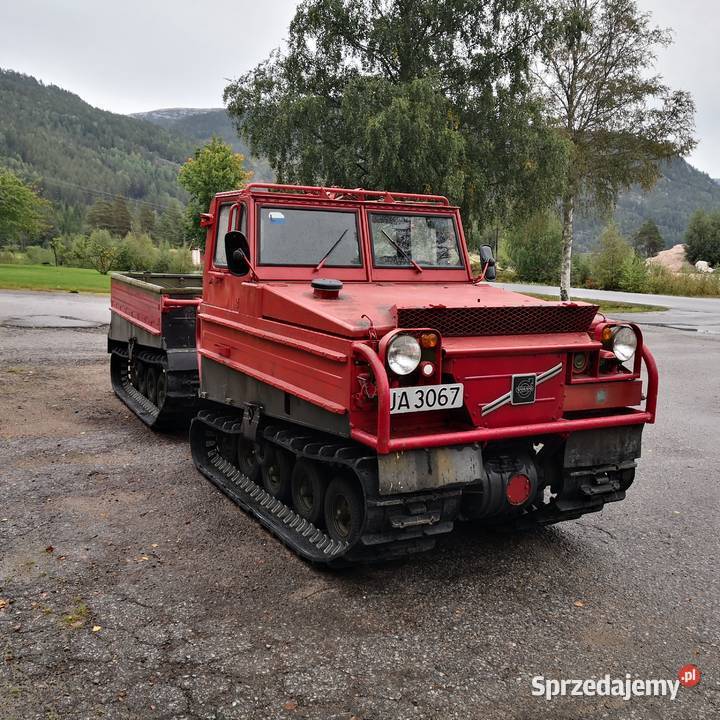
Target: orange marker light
pixel 429 340
pixel 607 333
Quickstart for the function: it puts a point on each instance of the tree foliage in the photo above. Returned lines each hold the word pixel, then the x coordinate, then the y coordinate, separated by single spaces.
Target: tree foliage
pixel 100 215
pixel 648 241
pixel 535 248
pixel 121 218
pixel 409 95
pixel 613 252
pixel 213 168
pixel 22 211
pixel 703 237
pixel 147 219
pixel 619 120
pixel 170 228
pixel 101 251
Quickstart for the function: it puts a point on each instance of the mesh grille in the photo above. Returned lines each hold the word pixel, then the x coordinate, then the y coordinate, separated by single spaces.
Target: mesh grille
pixel 524 320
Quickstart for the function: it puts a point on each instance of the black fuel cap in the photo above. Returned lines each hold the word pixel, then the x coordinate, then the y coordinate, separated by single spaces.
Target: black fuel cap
pixel 326 287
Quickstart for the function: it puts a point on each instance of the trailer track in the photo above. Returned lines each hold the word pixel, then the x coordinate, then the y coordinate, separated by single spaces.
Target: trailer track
pixel 173 407
pixel 394 527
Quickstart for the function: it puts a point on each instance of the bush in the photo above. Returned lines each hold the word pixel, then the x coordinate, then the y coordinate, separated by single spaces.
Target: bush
pixel 702 237
pixel 581 270
pixel 103 250
pixel 633 274
pixel 37 255
pixel 8 257
pixel 137 253
pixel 535 248
pixel 72 250
pixel 181 260
pixel 613 252
pixel 661 281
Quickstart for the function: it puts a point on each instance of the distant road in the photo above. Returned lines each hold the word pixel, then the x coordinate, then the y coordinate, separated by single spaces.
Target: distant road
pixel 700 314
pixel 62 309
pixel 19 308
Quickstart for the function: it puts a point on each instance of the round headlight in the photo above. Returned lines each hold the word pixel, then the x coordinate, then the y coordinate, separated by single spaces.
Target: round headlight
pixel 403 354
pixel 624 343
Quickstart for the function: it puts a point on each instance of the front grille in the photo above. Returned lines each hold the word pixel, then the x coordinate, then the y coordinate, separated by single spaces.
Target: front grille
pixel 522 320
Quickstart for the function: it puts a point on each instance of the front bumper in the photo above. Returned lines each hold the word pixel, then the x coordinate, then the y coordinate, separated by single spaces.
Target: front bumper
pixel 383 443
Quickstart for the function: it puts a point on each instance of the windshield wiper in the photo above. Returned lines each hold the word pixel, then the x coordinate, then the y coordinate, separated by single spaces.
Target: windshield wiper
pixel 400 250
pixel 329 252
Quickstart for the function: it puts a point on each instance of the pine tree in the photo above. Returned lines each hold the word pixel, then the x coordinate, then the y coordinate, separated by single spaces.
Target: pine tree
pixel 147 219
pixel 121 218
pixel 648 241
pixel 171 226
pixel 100 215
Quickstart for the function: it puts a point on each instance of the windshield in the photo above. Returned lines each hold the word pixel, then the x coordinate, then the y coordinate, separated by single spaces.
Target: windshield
pixel 429 240
pixel 300 236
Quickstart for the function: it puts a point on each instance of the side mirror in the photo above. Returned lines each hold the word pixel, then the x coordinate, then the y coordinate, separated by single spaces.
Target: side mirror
pixel 237 253
pixel 487 262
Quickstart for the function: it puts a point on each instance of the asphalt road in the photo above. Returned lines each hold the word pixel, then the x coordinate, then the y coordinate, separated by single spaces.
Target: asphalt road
pixel 700 314
pixel 131 588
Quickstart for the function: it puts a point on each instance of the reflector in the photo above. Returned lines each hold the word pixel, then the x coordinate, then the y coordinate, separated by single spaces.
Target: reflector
pixel 518 489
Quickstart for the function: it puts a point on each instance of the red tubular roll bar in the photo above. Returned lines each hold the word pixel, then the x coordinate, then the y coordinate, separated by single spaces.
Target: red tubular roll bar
pixel 383 443
pixel 169 302
pixel 358 194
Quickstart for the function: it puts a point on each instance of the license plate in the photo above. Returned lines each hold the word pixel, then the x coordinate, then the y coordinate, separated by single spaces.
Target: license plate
pixel 426 397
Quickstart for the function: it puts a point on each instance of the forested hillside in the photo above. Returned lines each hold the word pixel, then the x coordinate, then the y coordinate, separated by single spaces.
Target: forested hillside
pixel 200 125
pixel 682 190
pixel 77 153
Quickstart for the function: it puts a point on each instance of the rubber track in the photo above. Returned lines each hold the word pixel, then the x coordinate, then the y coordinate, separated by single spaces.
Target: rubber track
pixel 301 536
pixel 176 410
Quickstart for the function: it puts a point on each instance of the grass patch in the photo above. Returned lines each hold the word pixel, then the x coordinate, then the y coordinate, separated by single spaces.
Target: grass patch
pixel 606 306
pixel 49 277
pixel 77 617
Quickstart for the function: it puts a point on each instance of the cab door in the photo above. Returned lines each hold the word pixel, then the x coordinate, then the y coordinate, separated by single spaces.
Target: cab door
pixel 231 215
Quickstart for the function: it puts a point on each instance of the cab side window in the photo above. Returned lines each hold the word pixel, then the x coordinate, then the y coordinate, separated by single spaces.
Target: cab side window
pixel 221 227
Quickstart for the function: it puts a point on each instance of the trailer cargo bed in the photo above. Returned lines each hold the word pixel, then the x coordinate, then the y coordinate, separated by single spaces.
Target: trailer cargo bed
pixel 152 344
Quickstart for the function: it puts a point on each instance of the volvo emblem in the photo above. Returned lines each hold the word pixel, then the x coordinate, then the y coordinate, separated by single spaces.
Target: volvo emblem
pixel 523 389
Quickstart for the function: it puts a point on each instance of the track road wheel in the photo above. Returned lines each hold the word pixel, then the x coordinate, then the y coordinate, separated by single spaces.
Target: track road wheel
pixel 277 469
pixel 161 388
pixel 344 510
pixel 249 457
pixel 308 491
pixel 151 385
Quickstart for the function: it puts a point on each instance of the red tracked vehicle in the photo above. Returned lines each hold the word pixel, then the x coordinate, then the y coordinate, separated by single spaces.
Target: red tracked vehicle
pixel 361 391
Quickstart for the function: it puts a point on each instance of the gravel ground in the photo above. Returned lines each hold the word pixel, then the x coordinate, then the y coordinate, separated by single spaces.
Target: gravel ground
pixel 131 588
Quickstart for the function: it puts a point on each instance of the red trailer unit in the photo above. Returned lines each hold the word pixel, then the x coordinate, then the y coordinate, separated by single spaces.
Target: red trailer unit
pixel 153 364
pixel 362 391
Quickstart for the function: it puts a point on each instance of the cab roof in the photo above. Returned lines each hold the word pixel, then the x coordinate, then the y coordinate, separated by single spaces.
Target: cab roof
pixel 324 194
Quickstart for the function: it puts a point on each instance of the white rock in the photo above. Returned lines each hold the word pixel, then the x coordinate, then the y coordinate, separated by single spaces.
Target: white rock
pixel 703 266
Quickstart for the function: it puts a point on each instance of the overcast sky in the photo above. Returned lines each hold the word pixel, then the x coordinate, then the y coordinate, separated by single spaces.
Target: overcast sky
pixel 137 55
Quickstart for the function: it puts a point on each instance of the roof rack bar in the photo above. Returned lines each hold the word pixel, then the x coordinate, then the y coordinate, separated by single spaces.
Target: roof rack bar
pixel 358 194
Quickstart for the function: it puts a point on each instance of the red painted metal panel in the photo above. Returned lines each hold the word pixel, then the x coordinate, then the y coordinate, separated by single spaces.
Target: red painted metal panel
pixel 486 381
pixel 602 395
pixel 139 307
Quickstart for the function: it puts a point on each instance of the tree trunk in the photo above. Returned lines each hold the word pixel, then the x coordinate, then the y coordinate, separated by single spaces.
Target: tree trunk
pixel 568 208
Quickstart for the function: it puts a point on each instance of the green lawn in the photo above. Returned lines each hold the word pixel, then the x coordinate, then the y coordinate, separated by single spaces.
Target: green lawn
pixel 48 277
pixel 605 305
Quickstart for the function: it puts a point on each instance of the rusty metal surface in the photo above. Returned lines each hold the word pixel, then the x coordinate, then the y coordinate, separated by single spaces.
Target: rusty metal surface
pixel 414 470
